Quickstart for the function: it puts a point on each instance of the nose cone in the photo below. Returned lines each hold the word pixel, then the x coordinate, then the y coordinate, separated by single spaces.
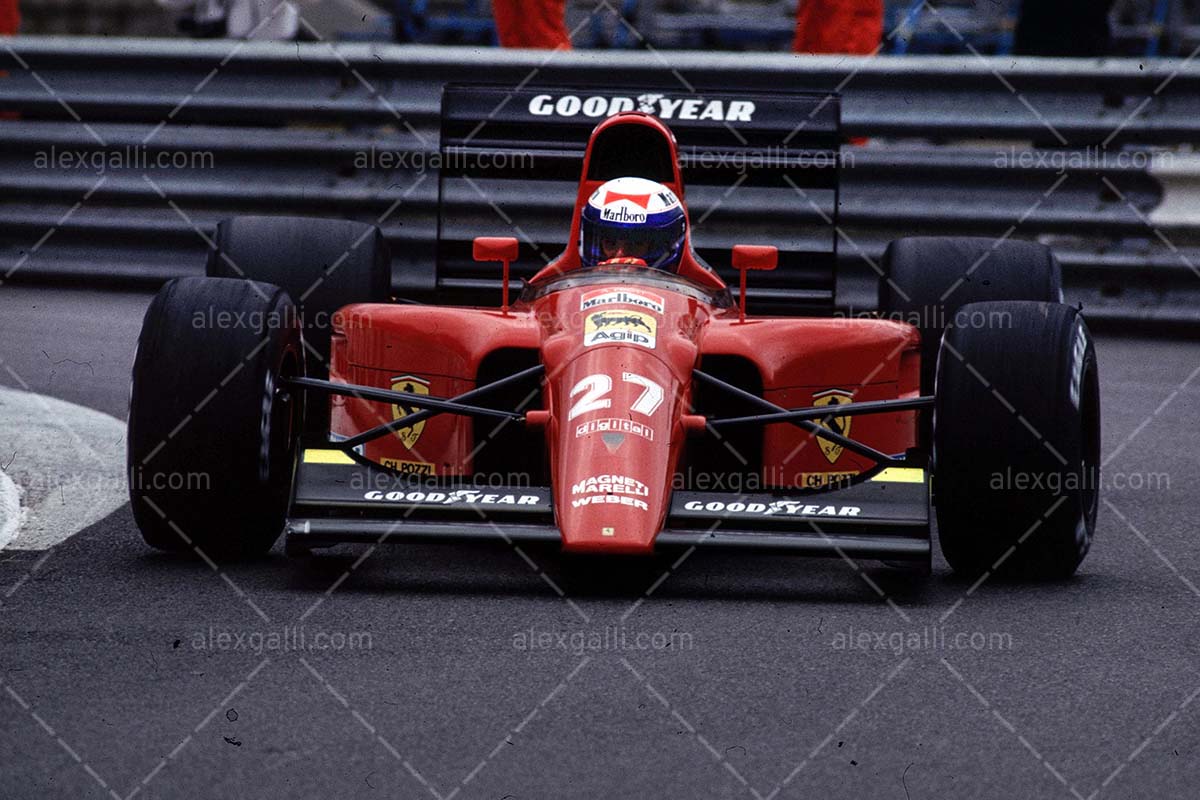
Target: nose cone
pixel 613 452
pixel 618 359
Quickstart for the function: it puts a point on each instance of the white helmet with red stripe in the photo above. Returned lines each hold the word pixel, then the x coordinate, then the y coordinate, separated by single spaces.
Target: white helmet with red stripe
pixel 632 221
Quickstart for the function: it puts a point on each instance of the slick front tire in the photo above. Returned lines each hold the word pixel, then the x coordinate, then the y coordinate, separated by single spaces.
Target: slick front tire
pixel 1016 438
pixel 212 429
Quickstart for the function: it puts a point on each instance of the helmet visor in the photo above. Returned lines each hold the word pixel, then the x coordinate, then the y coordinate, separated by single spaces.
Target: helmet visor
pixel 656 246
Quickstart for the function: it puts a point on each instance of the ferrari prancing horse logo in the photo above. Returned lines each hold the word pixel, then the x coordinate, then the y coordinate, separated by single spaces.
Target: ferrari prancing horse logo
pixel 833 397
pixel 412 385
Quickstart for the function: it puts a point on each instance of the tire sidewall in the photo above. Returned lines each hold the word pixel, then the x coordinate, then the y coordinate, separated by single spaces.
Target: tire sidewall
pixel 1024 502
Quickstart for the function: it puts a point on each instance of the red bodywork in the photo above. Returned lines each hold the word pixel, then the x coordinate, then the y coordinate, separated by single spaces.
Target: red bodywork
pixel 619 348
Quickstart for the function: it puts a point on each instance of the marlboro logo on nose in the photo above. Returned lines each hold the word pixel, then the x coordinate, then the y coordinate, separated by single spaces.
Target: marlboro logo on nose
pixel 642 200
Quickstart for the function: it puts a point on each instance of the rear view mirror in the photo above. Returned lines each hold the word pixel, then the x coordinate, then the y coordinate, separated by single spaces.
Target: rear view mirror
pixel 755 256
pixel 747 257
pixel 497 248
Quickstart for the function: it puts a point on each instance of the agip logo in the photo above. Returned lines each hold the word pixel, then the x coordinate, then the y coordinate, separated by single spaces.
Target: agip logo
pixel 833 397
pixel 620 327
pixel 409 384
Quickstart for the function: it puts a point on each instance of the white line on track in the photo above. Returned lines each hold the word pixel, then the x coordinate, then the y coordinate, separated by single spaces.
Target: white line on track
pixel 68 466
pixel 11 512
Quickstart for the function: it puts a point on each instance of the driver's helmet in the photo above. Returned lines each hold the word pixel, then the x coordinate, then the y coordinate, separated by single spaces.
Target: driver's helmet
pixel 632 221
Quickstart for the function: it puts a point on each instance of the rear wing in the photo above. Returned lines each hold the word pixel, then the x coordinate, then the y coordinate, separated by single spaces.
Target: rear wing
pixel 510 161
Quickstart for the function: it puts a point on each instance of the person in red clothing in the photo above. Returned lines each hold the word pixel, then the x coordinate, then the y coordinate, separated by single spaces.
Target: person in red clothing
pixel 531 23
pixel 10 18
pixel 838 26
pixel 822 26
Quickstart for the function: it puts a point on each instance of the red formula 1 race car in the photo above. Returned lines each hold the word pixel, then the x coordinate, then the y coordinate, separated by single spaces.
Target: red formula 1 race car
pixel 624 402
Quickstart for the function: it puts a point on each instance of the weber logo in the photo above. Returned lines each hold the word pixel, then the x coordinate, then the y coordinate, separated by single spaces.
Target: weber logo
pixel 660 105
pixel 609 500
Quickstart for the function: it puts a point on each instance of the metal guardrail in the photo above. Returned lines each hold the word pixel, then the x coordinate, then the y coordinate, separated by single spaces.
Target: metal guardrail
pixel 915 96
pixel 349 130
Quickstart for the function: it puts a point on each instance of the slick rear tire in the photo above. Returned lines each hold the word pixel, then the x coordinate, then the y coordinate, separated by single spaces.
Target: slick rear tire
pixel 1016 438
pixel 211 430
pixel 323 265
pixel 926 280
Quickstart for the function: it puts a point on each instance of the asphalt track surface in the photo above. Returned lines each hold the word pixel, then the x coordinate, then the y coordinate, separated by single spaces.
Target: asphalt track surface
pixel 115 681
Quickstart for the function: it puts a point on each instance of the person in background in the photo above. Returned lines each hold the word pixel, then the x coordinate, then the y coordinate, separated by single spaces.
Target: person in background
pixel 822 26
pixel 10 21
pixel 1071 28
pixel 263 19
pixel 532 23
pixel 237 19
pixel 854 27
pixel 10 18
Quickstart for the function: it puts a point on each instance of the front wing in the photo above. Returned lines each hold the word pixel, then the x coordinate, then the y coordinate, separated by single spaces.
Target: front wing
pixel 336 500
